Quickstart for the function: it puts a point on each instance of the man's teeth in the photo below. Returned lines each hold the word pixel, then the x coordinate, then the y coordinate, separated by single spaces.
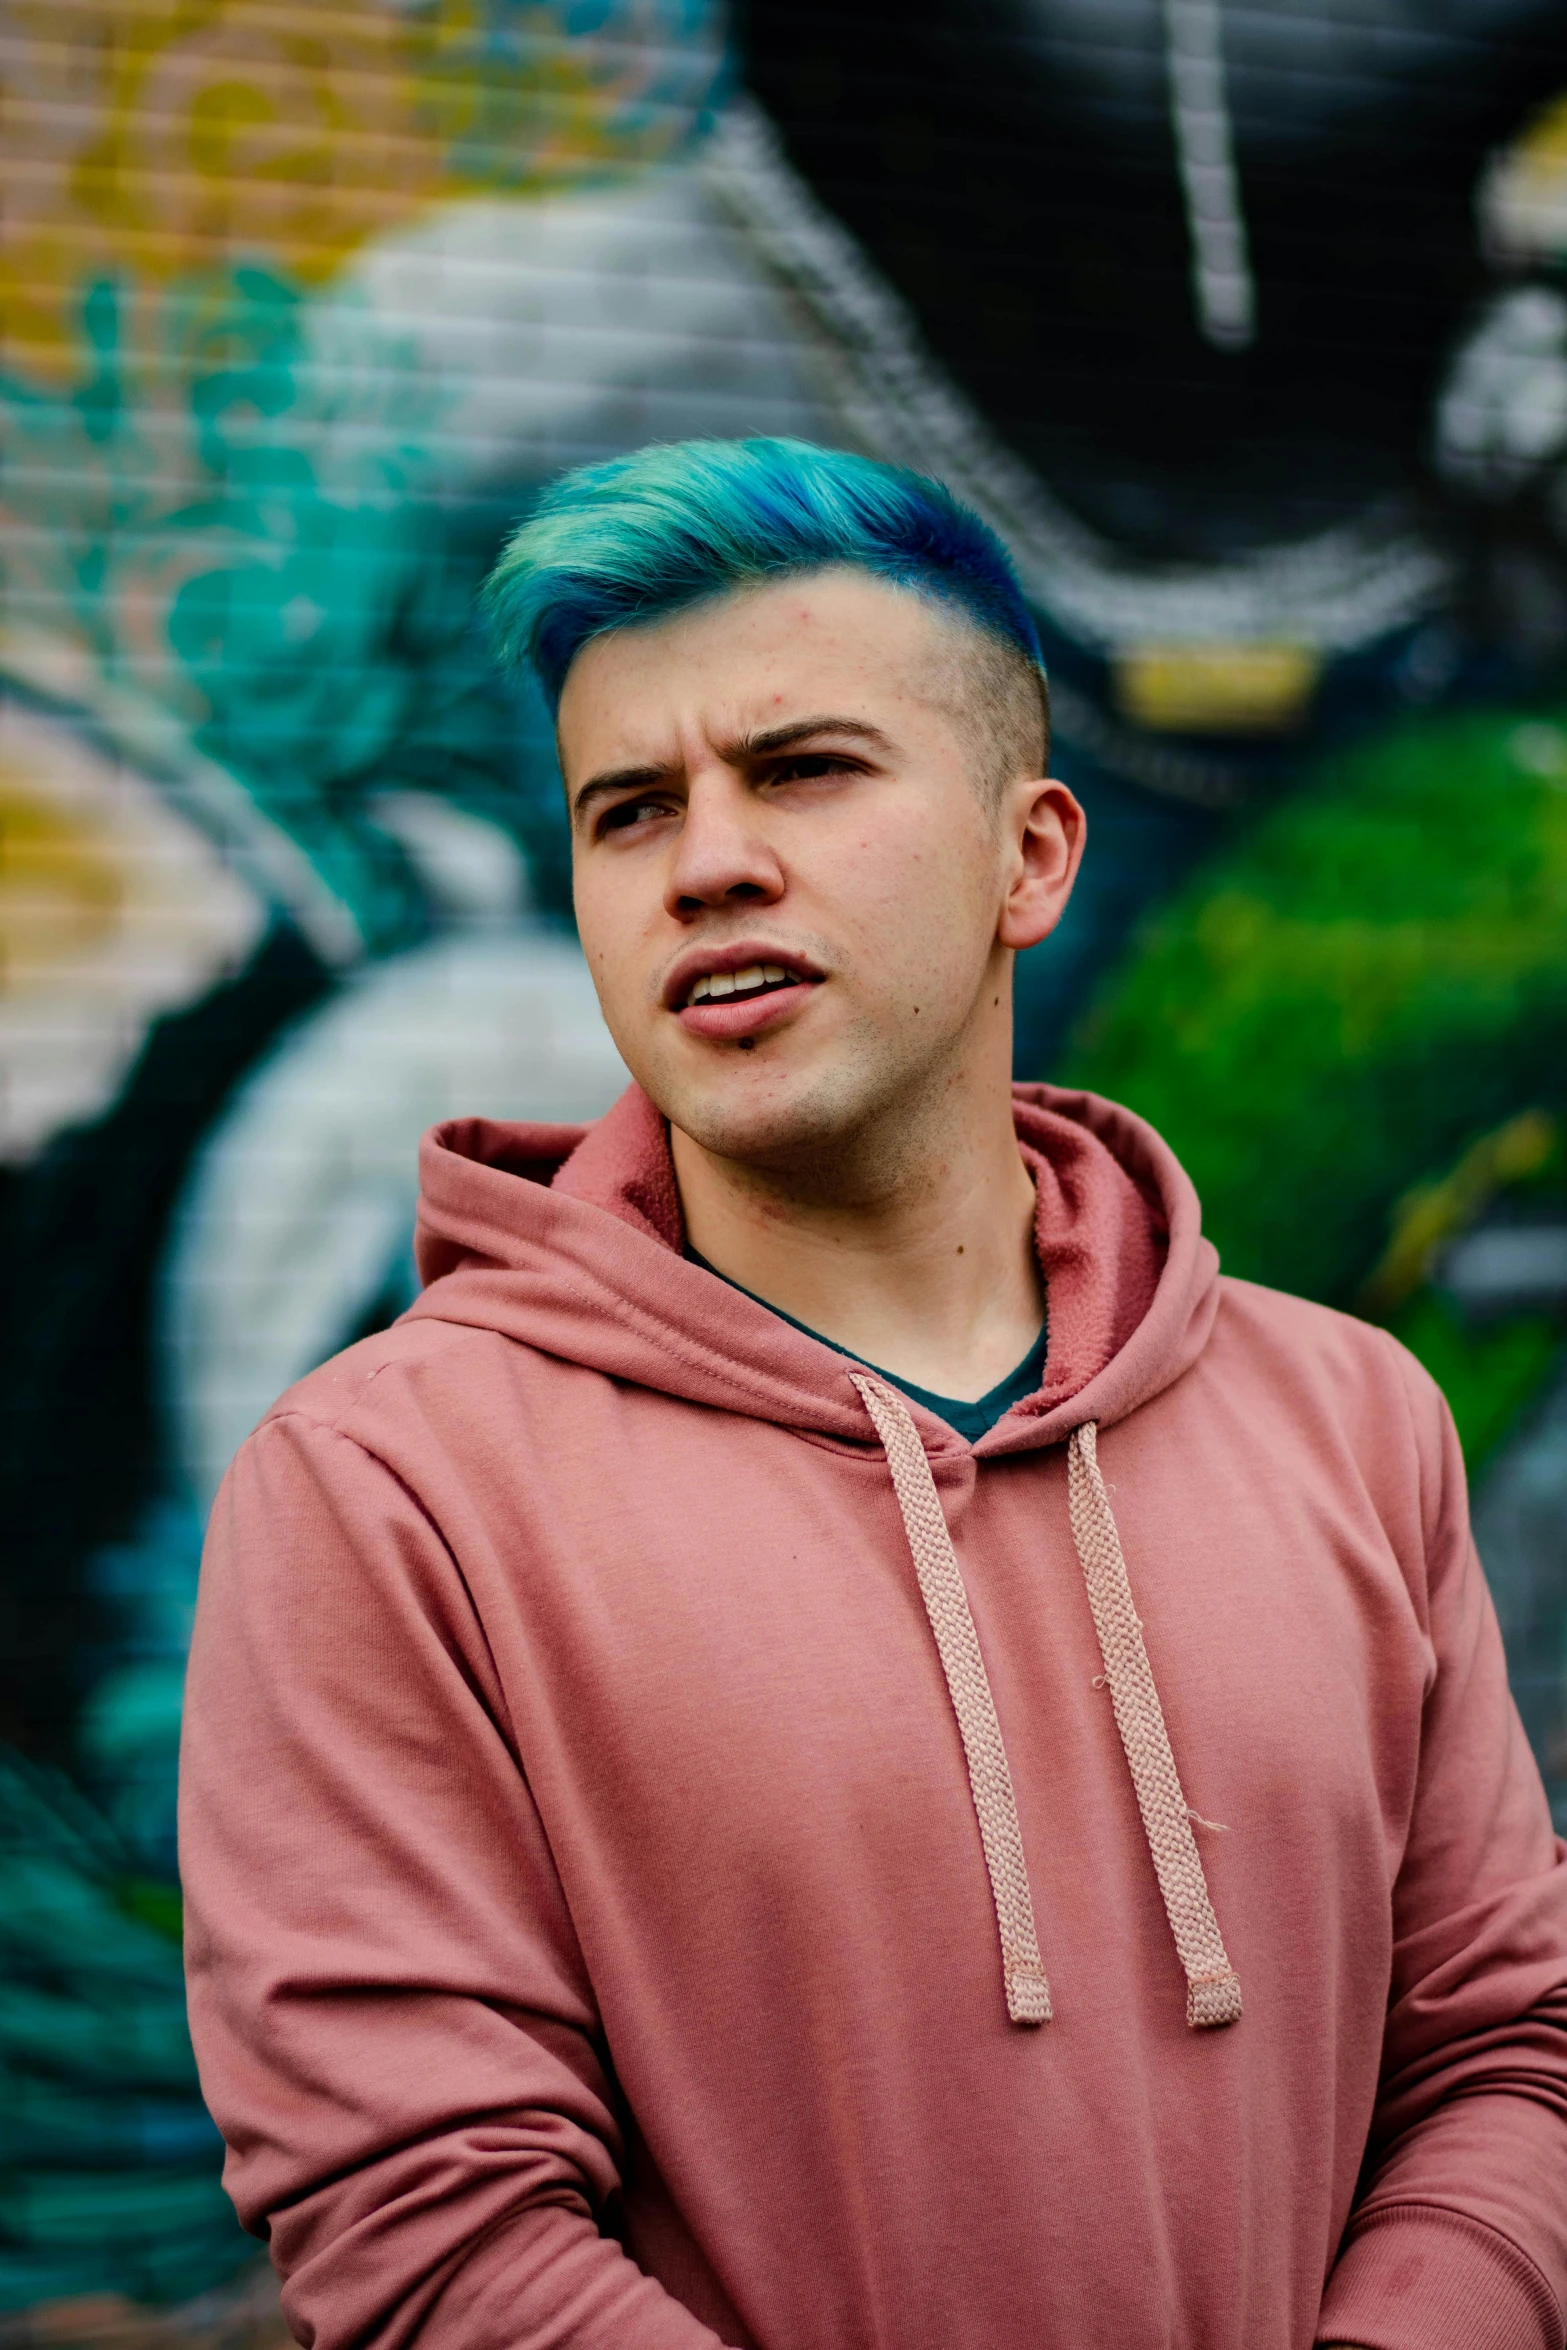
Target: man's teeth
pixel 746 982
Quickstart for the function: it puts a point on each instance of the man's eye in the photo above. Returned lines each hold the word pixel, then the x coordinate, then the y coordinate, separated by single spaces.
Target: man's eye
pixel 807 766
pixel 631 812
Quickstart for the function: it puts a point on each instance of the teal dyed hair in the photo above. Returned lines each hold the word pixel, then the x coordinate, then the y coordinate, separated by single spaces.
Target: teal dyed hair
pixel 610 545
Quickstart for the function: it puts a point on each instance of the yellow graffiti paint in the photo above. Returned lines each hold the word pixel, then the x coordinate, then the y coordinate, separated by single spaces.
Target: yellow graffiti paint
pixel 149 140
pixel 1216 689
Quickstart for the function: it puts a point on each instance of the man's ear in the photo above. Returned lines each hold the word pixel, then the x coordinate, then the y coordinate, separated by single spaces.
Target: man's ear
pixel 1045 830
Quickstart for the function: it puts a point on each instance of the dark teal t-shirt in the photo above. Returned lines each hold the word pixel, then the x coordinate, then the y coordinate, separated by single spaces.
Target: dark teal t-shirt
pixel 970 1420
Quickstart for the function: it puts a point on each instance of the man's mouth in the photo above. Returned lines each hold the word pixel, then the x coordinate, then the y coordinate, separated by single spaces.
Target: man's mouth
pixel 756 979
pixel 732 994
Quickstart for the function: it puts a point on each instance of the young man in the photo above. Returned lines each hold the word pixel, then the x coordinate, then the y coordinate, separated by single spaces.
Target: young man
pixel 833 1741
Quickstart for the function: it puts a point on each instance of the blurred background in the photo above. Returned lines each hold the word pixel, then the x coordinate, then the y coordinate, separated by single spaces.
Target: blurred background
pixel 1248 329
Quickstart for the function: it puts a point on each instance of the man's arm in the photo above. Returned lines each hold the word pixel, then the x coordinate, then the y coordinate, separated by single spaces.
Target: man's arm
pixel 394 2024
pixel 1458 2238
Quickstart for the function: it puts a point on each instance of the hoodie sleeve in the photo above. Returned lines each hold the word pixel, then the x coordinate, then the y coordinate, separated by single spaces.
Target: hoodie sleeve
pixel 1458 2238
pixel 394 2025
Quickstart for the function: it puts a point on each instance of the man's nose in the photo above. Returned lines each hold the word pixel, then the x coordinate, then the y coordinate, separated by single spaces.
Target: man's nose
pixel 723 855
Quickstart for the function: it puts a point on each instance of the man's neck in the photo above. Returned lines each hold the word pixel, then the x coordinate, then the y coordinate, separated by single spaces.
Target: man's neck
pixel 931 1276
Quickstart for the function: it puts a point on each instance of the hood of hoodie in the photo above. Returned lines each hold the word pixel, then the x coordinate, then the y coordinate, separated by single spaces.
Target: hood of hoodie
pixel 571 1240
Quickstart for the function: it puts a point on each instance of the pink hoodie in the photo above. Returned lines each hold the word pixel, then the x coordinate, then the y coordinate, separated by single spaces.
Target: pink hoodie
pixel 632 1852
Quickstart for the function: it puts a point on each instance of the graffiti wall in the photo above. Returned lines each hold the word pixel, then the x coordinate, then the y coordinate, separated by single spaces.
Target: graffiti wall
pixel 1249 331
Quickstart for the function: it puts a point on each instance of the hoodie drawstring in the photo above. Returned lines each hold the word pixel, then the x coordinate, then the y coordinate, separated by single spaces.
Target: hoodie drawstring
pixel 957 1644
pixel 1213 1992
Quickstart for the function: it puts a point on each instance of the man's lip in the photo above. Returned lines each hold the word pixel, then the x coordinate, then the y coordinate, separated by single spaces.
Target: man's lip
pixel 702 962
pixel 723 1020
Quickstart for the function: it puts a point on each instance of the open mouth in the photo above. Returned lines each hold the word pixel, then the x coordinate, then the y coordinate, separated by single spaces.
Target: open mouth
pixel 756 979
pixel 734 994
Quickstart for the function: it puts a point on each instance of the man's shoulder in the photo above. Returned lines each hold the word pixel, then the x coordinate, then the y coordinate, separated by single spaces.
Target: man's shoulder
pixel 413 1362
pixel 1279 1315
pixel 1312 1345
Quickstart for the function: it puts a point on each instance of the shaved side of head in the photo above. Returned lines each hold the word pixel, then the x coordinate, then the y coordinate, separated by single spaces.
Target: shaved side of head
pixel 998 696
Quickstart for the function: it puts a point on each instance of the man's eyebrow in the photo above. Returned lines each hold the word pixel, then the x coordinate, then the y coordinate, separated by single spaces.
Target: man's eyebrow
pixel 798 730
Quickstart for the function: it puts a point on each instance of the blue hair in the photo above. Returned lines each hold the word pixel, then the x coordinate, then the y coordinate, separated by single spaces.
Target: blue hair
pixel 610 545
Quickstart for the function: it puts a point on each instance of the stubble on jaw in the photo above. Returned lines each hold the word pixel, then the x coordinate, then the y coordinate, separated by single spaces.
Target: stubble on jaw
pixel 860 1128
pixel 865 1160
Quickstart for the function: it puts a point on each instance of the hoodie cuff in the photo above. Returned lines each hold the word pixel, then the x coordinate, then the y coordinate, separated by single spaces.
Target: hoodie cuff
pixel 1413 2276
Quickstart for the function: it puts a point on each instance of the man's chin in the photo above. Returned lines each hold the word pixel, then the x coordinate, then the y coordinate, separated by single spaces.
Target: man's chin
pixel 775 1138
pixel 766 1117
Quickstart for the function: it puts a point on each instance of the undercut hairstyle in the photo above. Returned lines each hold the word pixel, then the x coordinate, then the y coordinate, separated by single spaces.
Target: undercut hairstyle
pixel 611 546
